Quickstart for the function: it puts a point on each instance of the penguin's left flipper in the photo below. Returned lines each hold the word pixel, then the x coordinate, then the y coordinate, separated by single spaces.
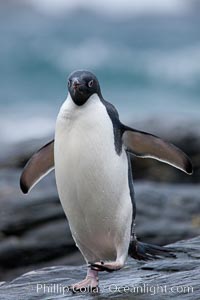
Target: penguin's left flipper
pixel 146 145
pixel 38 166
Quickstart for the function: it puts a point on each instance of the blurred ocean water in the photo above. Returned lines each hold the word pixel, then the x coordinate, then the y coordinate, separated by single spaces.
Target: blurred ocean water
pixel 148 64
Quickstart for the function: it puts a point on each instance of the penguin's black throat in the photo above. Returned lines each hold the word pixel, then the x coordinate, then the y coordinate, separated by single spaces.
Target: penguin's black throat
pixel 82 85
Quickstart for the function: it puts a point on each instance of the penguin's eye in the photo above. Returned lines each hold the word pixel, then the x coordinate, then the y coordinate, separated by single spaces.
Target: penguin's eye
pixel 90 83
pixel 69 83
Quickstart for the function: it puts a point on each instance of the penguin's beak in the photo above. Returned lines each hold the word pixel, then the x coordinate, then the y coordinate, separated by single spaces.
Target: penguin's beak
pixel 75 84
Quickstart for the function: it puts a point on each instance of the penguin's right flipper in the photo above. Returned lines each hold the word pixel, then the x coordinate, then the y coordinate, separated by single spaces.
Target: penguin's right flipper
pixel 146 145
pixel 144 251
pixel 38 166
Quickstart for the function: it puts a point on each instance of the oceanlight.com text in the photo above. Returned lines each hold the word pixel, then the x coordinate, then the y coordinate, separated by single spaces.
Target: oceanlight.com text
pixel 56 289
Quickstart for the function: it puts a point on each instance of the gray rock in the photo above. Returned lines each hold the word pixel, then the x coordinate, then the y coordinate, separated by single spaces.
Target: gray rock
pixel 164 278
pixel 167 212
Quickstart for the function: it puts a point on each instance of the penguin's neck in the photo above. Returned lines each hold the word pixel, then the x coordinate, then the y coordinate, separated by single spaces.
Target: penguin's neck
pixel 91 112
pixel 69 110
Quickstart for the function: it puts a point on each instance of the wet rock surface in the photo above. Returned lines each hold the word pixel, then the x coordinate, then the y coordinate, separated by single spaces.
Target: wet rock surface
pixel 164 278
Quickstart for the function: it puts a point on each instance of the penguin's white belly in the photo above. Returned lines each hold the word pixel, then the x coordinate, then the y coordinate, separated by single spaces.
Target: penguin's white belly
pixel 92 181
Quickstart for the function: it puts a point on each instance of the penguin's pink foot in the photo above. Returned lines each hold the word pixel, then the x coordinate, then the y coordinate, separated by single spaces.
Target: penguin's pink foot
pixel 89 284
pixel 108 266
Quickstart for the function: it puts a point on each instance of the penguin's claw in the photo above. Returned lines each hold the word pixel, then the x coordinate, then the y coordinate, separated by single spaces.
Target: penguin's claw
pixel 108 267
pixel 99 268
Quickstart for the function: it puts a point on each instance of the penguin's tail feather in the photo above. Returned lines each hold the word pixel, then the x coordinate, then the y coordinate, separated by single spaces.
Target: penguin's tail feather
pixel 144 251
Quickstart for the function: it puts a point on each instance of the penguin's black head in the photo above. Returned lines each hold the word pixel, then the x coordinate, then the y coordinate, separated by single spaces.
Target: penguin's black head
pixel 82 85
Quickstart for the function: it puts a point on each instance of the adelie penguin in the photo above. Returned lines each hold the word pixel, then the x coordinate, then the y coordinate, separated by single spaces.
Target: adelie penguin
pixel 91 156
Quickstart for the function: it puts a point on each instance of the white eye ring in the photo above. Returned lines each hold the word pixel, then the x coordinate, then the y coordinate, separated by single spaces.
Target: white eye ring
pixel 90 83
